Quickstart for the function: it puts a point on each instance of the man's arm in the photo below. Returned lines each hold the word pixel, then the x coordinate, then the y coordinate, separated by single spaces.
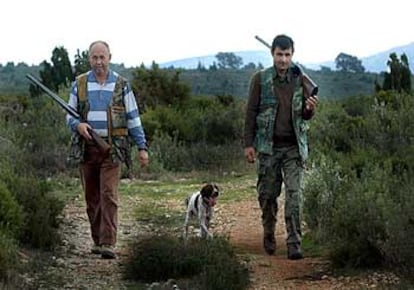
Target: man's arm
pixel 250 121
pixel 135 128
pixel 252 110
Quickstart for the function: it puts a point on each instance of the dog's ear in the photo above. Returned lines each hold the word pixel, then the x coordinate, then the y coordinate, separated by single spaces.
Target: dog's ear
pixel 207 190
pixel 216 191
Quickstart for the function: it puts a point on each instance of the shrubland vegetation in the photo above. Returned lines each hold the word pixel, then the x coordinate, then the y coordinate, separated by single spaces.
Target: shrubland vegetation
pixel 358 198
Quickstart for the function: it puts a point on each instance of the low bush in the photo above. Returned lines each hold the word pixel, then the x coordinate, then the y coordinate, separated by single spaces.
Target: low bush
pixel 198 264
pixel 11 215
pixel 8 258
pixel 42 210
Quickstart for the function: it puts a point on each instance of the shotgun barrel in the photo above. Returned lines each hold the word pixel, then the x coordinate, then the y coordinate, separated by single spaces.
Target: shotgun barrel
pixel 102 145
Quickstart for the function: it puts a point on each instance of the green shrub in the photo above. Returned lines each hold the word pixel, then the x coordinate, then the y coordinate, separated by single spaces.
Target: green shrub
pixel 399 247
pixel 202 264
pixel 8 257
pixel 358 193
pixel 172 155
pixel 42 211
pixel 11 215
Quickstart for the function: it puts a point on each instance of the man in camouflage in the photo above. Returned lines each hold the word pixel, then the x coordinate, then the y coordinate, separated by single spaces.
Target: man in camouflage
pixel 275 130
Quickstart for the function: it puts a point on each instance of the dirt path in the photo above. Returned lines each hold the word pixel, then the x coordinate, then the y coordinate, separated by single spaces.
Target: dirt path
pixel 273 272
pixel 74 267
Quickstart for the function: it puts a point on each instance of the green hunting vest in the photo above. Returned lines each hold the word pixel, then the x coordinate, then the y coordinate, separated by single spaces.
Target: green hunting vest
pixel 117 121
pixel 265 119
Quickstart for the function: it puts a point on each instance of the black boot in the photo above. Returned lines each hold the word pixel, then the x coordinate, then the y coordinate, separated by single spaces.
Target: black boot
pixel 269 243
pixel 294 252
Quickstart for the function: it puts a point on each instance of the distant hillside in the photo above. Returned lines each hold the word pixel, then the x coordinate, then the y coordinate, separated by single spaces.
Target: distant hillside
pixel 378 62
pixel 375 63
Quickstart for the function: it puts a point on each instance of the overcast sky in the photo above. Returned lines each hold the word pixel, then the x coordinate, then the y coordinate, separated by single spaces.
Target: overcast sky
pixel 143 31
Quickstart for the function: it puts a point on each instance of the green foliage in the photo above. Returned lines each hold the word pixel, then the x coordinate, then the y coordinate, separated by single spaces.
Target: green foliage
pixel 8 258
pixel 399 77
pixel 228 60
pixel 213 121
pixel 59 73
pixel 81 62
pixel 11 215
pixel 158 87
pixel 42 137
pixel 210 264
pixel 358 190
pixel 43 213
pixel 175 156
pixel 204 133
pixel 205 82
pixel 348 63
pixel 42 210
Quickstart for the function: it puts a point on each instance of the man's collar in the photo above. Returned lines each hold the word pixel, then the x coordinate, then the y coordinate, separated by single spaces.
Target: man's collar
pixel 285 78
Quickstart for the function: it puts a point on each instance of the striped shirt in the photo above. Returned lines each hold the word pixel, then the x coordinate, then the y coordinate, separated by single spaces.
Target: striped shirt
pixel 99 98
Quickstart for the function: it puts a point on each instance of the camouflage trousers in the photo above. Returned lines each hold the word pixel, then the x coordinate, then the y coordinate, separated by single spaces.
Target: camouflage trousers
pixel 283 166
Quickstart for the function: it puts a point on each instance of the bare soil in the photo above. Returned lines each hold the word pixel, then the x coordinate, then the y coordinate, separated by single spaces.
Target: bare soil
pixel 74 267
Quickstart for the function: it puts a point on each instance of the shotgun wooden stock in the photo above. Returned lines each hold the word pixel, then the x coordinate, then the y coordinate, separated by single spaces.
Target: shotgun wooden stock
pixel 102 145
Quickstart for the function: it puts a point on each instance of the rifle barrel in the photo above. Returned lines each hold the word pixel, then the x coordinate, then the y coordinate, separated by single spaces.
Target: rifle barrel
pixel 61 102
pixel 262 41
pixel 103 146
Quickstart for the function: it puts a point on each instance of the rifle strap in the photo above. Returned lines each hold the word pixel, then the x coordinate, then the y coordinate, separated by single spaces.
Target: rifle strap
pixel 83 104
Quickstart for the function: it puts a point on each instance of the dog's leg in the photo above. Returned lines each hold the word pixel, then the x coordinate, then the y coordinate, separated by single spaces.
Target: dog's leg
pixel 204 225
pixel 186 221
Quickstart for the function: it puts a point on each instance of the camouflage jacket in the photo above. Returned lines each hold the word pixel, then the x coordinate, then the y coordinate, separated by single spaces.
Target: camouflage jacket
pixel 268 107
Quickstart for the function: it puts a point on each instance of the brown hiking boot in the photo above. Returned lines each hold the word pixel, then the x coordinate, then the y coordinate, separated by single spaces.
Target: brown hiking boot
pixel 108 252
pixel 96 249
pixel 269 243
pixel 294 252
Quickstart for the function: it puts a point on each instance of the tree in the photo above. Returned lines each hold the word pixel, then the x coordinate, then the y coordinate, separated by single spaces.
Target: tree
pixel 81 62
pixel 59 73
pixel 250 65
pixel 405 74
pixel 63 68
pixel 399 77
pixel 156 86
pixel 325 69
pixel 348 63
pixel 228 60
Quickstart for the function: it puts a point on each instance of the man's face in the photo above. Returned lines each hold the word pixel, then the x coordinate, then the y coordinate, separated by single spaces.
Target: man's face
pixel 99 58
pixel 282 58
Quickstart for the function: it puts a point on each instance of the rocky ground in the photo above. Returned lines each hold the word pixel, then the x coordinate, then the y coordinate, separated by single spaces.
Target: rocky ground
pixel 74 267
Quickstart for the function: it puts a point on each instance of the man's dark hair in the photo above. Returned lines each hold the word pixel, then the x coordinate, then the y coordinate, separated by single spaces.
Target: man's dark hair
pixel 283 42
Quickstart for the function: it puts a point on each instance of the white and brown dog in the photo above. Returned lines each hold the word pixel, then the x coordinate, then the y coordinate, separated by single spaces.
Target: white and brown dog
pixel 200 204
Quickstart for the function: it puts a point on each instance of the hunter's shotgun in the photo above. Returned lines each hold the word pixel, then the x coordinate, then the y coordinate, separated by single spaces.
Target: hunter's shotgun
pixel 310 86
pixel 101 144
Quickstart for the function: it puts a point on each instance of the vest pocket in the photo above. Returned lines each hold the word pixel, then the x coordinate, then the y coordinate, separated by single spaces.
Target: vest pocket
pixel 118 117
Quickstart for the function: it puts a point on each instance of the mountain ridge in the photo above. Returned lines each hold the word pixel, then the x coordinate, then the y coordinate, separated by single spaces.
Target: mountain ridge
pixel 374 63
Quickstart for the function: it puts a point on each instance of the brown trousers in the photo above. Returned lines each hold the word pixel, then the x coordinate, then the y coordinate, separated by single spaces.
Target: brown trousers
pixel 100 180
